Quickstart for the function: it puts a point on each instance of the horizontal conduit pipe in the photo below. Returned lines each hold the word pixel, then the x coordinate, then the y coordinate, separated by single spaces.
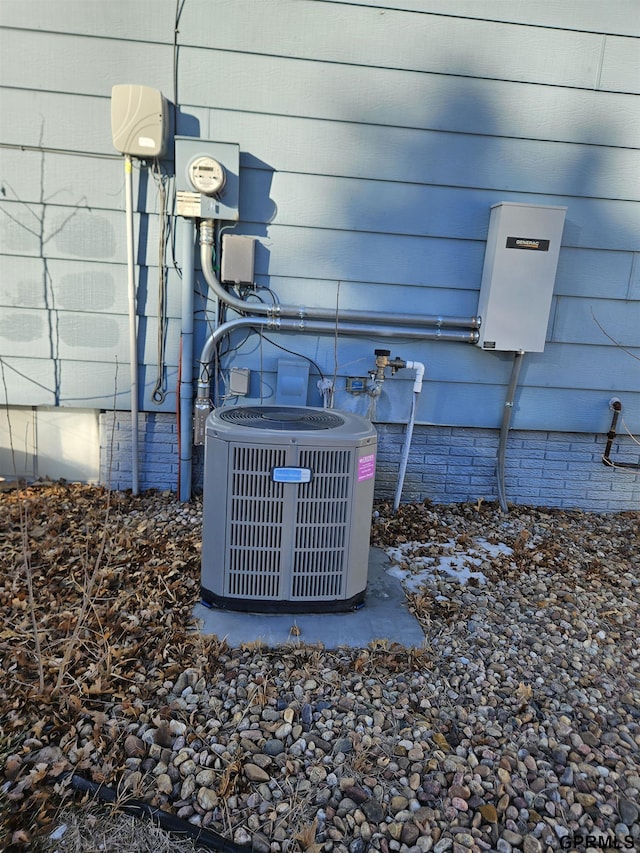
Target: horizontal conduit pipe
pixel 320 327
pixel 258 309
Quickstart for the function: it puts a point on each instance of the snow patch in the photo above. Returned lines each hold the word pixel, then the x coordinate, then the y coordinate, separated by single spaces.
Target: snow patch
pixel 415 569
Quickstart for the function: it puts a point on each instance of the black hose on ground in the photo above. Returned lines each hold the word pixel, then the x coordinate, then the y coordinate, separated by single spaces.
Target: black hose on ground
pixel 204 837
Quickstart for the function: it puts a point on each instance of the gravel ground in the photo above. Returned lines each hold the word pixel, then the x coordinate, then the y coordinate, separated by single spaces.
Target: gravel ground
pixel 516 727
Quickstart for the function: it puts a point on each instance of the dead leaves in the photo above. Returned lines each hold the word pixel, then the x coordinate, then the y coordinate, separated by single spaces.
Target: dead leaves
pixel 229 779
pixel 110 598
pixel 523 695
pixel 306 837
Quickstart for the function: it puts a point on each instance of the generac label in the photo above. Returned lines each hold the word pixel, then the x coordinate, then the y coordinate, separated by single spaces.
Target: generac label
pixel 531 243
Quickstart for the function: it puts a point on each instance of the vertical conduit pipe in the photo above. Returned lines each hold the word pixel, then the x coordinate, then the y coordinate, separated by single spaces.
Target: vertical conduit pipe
pixel 133 331
pixel 504 428
pixel 186 361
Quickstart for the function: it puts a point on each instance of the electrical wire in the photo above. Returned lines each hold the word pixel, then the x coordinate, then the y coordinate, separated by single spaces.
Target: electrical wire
pixel 331 391
pixel 628 431
pixel 292 352
pixel 176 22
pixel 261 367
pixel 159 393
pixel 252 291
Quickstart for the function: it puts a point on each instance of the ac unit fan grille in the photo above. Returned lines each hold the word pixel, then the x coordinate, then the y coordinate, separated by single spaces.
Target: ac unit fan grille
pixel 268 560
pixel 255 523
pixel 281 418
pixel 322 517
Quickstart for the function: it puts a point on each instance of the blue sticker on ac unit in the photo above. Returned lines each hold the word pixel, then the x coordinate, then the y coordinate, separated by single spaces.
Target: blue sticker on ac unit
pixel 291 474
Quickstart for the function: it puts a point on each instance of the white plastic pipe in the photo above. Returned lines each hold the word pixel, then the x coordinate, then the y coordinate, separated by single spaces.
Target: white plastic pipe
pixel 418 366
pixel 133 327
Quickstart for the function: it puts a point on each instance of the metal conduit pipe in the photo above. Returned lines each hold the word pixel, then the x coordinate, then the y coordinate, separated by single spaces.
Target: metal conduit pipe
pixel 207 236
pixel 504 428
pixel 319 327
pixel 186 365
pixel 133 322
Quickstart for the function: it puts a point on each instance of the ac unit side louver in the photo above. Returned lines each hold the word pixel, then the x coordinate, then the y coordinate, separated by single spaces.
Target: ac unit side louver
pixel 288 494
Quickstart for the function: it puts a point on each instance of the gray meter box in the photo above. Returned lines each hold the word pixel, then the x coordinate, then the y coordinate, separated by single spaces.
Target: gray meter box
pixel 191 202
pixel 519 273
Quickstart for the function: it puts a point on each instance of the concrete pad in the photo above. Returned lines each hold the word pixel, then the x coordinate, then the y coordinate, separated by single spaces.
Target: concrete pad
pixel 385 615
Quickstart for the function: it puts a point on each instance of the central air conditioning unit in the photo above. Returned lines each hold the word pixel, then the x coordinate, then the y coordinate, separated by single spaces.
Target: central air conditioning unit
pixel 288 494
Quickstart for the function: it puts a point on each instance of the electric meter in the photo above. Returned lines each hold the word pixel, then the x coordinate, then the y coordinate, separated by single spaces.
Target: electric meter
pixel 207 178
pixel 207 175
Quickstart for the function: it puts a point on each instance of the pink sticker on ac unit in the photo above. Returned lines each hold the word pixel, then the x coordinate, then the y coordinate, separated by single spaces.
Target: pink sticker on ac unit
pixel 367 467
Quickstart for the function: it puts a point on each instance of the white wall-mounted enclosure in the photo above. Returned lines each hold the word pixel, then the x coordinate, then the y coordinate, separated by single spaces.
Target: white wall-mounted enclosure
pixel 139 120
pixel 518 276
pixel 288 493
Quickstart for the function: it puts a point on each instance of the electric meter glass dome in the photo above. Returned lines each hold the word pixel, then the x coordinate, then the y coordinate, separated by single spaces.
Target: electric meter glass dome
pixel 207 175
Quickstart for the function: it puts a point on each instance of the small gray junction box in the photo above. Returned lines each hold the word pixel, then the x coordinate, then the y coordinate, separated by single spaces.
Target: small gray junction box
pixel 519 273
pixel 238 258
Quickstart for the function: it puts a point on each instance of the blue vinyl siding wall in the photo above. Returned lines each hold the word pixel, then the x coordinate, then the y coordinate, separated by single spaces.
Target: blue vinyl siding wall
pixel 374 138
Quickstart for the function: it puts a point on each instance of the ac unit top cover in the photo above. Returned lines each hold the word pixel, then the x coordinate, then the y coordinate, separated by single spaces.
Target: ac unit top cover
pixel 262 424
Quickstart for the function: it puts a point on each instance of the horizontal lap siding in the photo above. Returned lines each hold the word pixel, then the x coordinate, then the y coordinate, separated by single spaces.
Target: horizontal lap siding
pixel 395 38
pixel 81 285
pixel 373 143
pixel 319 147
pixel 409 99
pixel 587 15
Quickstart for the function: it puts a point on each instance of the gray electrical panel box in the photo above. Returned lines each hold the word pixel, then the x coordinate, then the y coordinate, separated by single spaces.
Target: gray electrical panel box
pixel 207 179
pixel 238 254
pixel 519 273
pixel 139 120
